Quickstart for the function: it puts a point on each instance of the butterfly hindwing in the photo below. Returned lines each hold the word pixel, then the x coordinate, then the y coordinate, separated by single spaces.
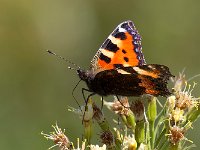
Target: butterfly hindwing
pixel 133 81
pixel 121 49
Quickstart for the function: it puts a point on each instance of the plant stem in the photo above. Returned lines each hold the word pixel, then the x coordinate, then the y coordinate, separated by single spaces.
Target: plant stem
pixel 152 133
pixel 147 135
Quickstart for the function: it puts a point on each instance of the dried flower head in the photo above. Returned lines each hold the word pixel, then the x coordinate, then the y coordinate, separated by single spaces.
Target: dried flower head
pixel 184 99
pixel 59 138
pixel 107 137
pixel 137 107
pixel 176 134
pixel 183 93
pixel 120 106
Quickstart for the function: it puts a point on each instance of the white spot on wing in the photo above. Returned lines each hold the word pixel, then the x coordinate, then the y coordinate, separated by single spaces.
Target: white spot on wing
pixel 114 40
pixel 151 67
pixel 122 71
pixel 122 29
pixel 147 73
pixel 138 70
pixel 126 65
pixel 107 53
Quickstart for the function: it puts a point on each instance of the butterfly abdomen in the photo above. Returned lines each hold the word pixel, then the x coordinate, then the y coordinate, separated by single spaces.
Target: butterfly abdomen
pixel 132 81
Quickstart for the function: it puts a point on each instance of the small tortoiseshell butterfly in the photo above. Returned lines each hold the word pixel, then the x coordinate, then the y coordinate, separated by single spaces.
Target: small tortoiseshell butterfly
pixel 119 67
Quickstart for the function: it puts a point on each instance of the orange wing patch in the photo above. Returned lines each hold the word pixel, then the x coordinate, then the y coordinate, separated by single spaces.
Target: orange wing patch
pixel 121 49
pixel 148 85
pixel 124 55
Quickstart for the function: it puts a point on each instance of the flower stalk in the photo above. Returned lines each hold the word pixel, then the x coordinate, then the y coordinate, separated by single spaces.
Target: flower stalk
pixel 151 114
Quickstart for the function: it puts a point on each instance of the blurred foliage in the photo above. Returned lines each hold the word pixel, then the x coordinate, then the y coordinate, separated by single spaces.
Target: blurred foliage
pixel 36 88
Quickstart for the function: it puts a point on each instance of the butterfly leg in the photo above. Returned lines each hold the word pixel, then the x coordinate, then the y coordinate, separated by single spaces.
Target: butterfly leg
pixel 89 97
pixel 83 92
pixel 74 96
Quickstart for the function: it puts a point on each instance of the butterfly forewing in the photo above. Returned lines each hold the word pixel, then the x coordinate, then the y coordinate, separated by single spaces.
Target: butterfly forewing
pixel 121 49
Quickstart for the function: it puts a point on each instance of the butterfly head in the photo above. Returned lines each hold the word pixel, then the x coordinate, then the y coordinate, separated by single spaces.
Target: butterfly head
pixel 83 74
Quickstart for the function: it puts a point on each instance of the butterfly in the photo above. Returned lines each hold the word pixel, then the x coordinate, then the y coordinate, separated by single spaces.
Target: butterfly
pixel 119 68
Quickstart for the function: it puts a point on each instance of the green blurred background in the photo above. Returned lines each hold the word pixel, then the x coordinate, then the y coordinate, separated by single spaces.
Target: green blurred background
pixel 35 88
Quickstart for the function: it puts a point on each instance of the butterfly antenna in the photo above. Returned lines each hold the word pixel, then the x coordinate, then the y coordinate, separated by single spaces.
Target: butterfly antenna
pixel 74 96
pixel 66 60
